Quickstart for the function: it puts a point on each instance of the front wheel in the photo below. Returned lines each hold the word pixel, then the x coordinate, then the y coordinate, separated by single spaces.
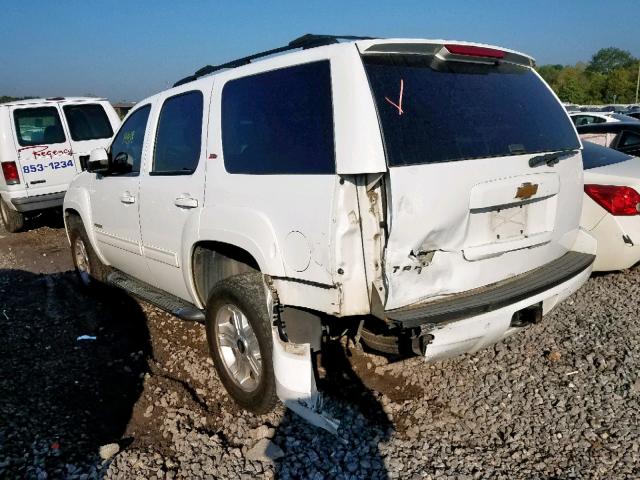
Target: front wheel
pixel 12 219
pixel 90 270
pixel 239 337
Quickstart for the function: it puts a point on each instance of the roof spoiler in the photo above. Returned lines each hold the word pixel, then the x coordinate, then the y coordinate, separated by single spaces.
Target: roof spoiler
pixel 452 51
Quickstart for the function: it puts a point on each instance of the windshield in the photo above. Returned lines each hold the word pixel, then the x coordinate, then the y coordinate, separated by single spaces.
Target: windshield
pixel 434 111
pixel 87 122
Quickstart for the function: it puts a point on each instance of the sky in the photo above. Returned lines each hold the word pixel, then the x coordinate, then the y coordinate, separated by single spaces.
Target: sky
pixel 128 50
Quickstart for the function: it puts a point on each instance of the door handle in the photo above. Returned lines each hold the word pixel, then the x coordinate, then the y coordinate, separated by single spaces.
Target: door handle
pixel 126 197
pixel 186 201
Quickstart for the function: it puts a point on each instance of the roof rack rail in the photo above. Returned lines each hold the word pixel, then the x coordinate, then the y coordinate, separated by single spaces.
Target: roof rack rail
pixel 309 40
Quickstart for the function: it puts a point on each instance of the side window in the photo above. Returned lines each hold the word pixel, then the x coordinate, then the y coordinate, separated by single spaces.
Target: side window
pixel 38 126
pixel 179 135
pixel 87 122
pixel 630 139
pixel 130 138
pixel 279 122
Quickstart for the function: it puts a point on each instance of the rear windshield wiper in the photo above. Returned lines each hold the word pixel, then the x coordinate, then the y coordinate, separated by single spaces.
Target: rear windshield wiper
pixel 550 158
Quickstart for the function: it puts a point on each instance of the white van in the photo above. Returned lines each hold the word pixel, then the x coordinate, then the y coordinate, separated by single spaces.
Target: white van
pixel 44 143
pixel 420 196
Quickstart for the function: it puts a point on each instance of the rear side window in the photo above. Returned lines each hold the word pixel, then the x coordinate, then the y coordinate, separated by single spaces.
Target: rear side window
pixel 87 122
pixel 434 111
pixel 630 139
pixel 38 126
pixel 586 120
pixel 130 138
pixel 279 122
pixel 179 136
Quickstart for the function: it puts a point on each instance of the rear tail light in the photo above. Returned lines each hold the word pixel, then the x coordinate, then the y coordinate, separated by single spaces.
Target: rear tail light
pixel 615 199
pixel 10 172
pixel 473 51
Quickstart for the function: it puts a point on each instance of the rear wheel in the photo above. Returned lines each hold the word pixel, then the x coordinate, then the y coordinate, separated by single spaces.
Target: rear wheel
pixel 239 337
pixel 90 270
pixel 12 219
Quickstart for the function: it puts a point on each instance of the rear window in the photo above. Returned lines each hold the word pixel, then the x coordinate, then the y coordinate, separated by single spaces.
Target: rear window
pixel 594 156
pixel 87 122
pixel 434 111
pixel 38 126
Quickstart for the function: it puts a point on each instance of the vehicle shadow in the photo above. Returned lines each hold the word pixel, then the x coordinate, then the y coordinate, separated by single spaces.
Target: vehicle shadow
pixel 51 218
pixel 355 451
pixel 64 396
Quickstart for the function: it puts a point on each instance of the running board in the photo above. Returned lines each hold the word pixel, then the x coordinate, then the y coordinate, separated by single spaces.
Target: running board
pixel 163 300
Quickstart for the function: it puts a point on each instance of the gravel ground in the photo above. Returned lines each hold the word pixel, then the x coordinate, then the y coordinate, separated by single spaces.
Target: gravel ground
pixel 560 400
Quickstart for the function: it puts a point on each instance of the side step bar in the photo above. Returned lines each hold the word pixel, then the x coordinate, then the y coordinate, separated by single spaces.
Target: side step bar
pixel 167 302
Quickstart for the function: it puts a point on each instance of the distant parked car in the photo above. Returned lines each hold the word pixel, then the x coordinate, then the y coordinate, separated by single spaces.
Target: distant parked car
pixel 634 114
pixel 43 145
pixel 622 136
pixel 610 207
pixel 587 118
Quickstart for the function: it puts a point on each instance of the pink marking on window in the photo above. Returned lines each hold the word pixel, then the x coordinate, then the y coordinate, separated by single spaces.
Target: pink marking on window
pixel 399 104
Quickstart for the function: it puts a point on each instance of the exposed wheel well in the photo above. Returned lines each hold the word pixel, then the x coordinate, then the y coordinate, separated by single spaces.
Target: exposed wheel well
pixel 70 212
pixel 215 261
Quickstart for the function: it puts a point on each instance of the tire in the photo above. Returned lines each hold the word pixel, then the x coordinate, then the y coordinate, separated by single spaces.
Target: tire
pixel 234 304
pixel 12 219
pixel 90 270
pixel 388 344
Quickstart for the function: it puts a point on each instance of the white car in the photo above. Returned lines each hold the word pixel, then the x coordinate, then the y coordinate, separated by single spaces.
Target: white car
pixel 43 145
pixel 587 118
pixel 329 191
pixel 611 207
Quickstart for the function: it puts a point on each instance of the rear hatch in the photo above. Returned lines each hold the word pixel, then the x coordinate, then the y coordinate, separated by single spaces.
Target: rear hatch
pixel 465 209
pixel 45 157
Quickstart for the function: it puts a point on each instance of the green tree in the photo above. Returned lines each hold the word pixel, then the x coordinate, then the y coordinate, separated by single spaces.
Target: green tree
pixel 596 87
pixel 550 73
pixel 619 88
pixel 572 86
pixel 606 60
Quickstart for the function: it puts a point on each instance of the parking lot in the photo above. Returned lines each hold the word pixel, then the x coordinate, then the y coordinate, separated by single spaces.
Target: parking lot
pixel 559 401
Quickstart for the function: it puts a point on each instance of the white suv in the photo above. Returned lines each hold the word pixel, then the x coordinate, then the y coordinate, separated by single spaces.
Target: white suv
pixel 421 196
pixel 43 145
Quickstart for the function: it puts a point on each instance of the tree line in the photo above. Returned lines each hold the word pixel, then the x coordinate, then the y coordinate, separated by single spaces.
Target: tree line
pixel 609 77
pixel 6 98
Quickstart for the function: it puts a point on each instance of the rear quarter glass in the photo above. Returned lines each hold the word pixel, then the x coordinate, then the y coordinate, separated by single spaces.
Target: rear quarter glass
pixel 434 111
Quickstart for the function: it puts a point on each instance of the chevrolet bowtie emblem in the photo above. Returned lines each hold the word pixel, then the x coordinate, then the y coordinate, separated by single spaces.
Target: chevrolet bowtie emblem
pixel 526 190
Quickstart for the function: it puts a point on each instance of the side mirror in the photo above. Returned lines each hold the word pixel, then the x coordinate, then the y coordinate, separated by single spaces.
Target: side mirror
pixel 98 161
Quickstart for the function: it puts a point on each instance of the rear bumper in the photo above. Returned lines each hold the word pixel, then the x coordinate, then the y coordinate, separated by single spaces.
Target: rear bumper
pixel 38 202
pixel 474 320
pixel 493 297
pixel 473 334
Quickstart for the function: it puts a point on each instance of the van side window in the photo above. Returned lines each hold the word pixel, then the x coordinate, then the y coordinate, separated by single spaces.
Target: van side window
pixel 179 135
pixel 38 126
pixel 130 138
pixel 279 122
pixel 87 122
